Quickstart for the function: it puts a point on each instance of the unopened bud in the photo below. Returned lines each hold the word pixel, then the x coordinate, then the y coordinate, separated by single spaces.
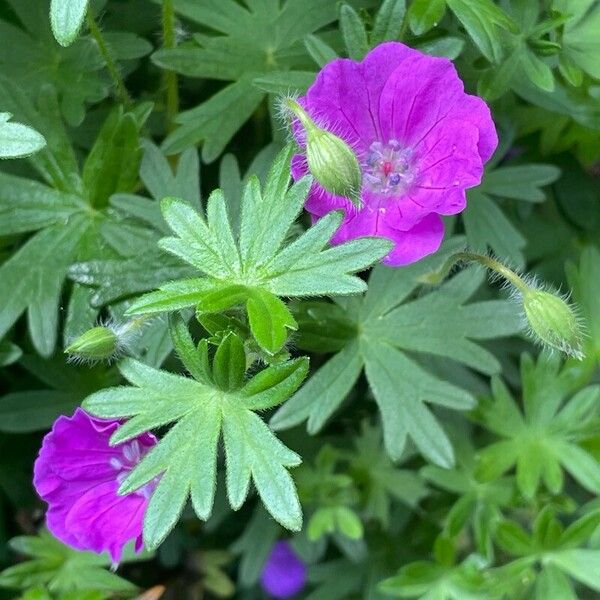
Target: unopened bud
pixel 553 321
pixel 331 160
pixel 98 343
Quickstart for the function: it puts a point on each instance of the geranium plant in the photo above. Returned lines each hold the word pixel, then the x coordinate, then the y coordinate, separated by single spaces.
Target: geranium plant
pixel 299 299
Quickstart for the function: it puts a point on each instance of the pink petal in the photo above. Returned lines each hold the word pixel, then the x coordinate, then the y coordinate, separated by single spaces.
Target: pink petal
pixel 101 520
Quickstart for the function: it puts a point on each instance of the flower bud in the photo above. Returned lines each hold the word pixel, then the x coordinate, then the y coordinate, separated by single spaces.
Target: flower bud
pixel 98 343
pixel 553 321
pixel 330 159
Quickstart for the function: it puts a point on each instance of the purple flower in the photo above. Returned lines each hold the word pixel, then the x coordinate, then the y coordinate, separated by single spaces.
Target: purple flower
pixel 420 140
pixel 284 574
pixel 77 473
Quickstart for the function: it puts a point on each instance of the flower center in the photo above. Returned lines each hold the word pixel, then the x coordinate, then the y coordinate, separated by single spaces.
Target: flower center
pixel 389 168
pixel 131 454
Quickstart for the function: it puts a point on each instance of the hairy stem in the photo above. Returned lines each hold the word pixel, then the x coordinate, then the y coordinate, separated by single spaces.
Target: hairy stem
pixel 488 262
pixel 111 66
pixel 170 77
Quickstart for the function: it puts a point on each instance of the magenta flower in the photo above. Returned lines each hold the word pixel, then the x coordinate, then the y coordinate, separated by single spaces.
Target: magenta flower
pixel 77 473
pixel 284 574
pixel 420 140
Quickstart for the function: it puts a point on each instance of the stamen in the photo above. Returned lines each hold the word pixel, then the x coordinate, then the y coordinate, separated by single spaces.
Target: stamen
pixel 132 454
pixel 389 168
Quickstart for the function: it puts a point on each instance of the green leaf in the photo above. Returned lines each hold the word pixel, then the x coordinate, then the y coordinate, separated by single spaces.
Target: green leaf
pixel 26 205
pixel 113 162
pixel 425 14
pixel 319 51
pixel 354 32
pixel 215 121
pixel 581 564
pixel 66 18
pixel 512 538
pixel 388 21
pixel 552 584
pixel 579 39
pixel 186 457
pixel 545 438
pixel 32 280
pixel 487 226
pixel 18 140
pixel 400 388
pixel 34 410
pixel 269 320
pixel 192 359
pixel 229 363
pixel 40 67
pixel 521 182
pixel 255 40
pixel 538 72
pixel 583 466
pixel 584 280
pixel 254 267
pixel 330 384
pixel 9 353
pixel 446 46
pixel 62 569
pixel 285 82
pixel 383 329
pixel 482 19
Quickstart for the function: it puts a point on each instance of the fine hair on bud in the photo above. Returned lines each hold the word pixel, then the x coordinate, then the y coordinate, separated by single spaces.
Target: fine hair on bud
pixel 331 161
pixel 107 341
pixel 553 321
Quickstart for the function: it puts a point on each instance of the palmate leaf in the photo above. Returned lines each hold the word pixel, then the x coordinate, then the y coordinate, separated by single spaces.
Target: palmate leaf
pixel 389 325
pixel 257 38
pixel 217 403
pixel 119 278
pixel 71 220
pixel 546 437
pixel 253 267
pixel 33 58
pixel 62 569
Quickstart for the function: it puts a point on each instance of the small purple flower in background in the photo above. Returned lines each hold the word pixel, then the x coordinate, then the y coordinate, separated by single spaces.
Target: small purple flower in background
pixel 420 140
pixel 78 474
pixel 284 573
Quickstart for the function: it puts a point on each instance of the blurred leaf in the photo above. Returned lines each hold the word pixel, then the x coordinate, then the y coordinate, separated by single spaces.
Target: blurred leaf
pixel 18 140
pixel 482 20
pixel 255 40
pixel 66 17
pixel 354 32
pixel 61 568
pixel 425 14
pixel 388 21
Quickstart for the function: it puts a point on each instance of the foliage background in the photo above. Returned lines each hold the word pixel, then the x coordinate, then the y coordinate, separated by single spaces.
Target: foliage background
pixel 443 453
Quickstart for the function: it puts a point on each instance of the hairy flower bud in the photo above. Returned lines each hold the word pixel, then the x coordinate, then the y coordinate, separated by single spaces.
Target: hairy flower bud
pixel 553 321
pixel 330 159
pixel 98 343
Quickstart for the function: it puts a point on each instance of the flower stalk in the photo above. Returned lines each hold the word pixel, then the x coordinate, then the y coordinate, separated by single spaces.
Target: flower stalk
pixel 111 65
pixel 551 320
pixel 170 77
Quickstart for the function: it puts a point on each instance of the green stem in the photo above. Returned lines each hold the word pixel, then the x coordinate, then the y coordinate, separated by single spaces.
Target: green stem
pixel 170 77
pixel 482 259
pixel 111 66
